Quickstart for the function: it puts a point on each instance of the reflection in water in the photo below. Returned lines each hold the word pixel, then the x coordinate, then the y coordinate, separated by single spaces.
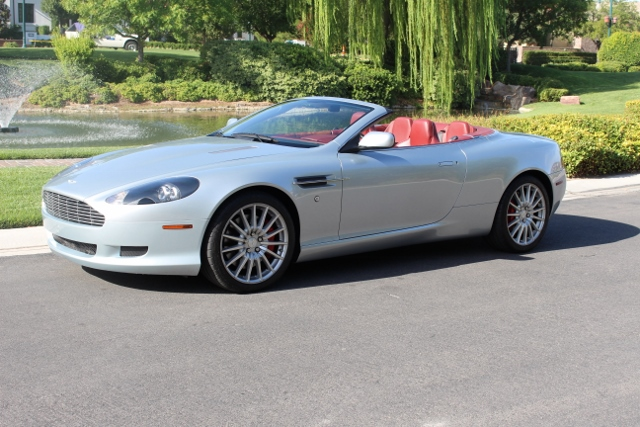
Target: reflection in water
pixel 102 130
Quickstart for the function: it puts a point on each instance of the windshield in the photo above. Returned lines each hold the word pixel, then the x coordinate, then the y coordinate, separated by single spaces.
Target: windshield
pixel 305 122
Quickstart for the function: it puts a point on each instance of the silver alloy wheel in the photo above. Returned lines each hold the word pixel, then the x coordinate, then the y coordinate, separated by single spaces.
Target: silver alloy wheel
pixel 526 214
pixel 254 243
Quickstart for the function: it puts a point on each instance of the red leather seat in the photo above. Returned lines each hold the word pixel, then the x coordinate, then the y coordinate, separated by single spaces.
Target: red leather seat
pixel 423 132
pixel 455 130
pixel 401 129
pixel 355 116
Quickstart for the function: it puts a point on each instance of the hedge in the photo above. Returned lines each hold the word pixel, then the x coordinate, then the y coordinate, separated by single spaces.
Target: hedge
pixel 591 144
pixel 552 94
pixel 572 66
pixel 612 66
pixel 540 57
pixel 632 107
pixel 622 47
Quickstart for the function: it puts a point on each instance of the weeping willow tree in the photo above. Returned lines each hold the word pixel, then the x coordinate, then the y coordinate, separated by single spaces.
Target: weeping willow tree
pixel 435 37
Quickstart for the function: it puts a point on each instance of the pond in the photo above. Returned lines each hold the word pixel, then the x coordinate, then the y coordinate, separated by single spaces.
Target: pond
pixel 104 130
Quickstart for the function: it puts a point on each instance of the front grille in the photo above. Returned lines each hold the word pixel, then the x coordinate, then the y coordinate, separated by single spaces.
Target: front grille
pixel 72 210
pixel 85 248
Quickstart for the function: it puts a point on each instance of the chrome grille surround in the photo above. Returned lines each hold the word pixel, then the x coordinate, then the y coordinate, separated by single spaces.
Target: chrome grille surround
pixel 72 210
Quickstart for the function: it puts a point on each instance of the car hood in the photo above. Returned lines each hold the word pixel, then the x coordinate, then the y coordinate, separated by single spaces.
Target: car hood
pixel 177 158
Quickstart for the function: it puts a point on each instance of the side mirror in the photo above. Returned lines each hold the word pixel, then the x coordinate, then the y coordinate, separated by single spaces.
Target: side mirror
pixel 377 140
pixel 231 121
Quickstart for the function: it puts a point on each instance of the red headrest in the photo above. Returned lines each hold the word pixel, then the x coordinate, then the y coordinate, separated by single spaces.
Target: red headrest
pixel 400 128
pixel 423 132
pixel 457 129
pixel 355 116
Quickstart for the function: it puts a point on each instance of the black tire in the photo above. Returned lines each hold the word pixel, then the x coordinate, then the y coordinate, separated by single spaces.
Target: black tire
pixel 522 216
pixel 131 45
pixel 249 243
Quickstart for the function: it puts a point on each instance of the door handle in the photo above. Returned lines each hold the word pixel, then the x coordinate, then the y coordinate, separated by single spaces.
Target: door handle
pixel 447 163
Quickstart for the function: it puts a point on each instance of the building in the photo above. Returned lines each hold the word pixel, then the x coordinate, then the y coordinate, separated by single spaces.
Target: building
pixel 34 16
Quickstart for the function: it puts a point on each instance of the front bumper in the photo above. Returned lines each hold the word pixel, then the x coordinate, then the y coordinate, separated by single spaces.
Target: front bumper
pixel 128 247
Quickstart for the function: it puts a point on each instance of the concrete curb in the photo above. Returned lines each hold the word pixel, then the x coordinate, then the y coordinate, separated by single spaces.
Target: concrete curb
pixel 33 240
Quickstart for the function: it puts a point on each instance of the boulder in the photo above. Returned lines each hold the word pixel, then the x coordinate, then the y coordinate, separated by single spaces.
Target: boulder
pixel 516 96
pixel 569 100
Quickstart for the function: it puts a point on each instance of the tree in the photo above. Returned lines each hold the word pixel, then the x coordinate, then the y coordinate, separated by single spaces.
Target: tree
pixel 437 37
pixel 265 17
pixel 626 14
pixel 539 19
pixel 5 15
pixel 206 20
pixel 58 14
pixel 142 18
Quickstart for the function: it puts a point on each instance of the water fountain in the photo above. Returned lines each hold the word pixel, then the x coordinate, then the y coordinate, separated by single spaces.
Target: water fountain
pixel 16 83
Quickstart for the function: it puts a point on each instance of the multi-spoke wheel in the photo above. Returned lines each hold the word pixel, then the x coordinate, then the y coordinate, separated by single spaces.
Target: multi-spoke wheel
pixel 250 243
pixel 522 216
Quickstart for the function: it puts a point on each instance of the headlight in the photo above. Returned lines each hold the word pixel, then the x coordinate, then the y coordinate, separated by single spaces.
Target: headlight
pixel 167 190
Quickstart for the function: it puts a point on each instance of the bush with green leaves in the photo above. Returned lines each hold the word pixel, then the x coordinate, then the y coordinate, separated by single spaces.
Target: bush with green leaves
pixel 43 30
pixel 177 69
pixel 612 66
pixel 591 144
pixel 632 107
pixel 74 52
pixel 541 57
pixel 552 95
pixel 573 66
pixel 104 95
pixel 74 85
pixel 622 47
pixel 137 90
pixel 634 69
pixel 172 45
pixel 270 71
pixel 10 44
pixel 371 84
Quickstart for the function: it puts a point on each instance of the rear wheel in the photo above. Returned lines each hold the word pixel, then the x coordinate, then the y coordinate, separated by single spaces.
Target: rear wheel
pixel 250 243
pixel 522 216
pixel 131 45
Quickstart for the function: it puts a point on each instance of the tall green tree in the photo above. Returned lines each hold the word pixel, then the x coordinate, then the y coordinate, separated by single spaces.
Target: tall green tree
pixel 435 37
pixel 625 12
pixel 265 17
pixel 59 15
pixel 5 15
pixel 539 19
pixel 142 18
pixel 203 20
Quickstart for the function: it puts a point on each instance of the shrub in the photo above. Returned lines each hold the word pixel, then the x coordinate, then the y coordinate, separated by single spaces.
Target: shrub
pixel 74 52
pixel 540 57
pixel 73 85
pixel 10 44
pixel 632 107
pixel 106 70
pixel 623 47
pixel 573 66
pixel 590 144
pixel 41 43
pixel 612 66
pixel 258 68
pixel 105 95
pixel 634 69
pixel 48 97
pixel 551 94
pixel 172 45
pixel 43 30
pixel 371 84
pixel 140 90
pixel 175 69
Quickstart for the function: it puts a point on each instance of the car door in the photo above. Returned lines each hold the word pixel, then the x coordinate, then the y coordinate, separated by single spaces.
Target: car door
pixel 396 188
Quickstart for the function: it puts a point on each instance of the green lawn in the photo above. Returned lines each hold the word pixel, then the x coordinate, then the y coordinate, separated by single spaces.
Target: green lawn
pixel 600 93
pixel 113 54
pixel 20 193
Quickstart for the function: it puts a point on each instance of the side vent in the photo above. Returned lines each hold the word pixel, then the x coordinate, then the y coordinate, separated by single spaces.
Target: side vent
pixel 314 181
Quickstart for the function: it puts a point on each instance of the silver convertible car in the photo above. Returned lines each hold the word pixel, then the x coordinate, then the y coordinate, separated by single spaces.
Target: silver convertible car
pixel 306 179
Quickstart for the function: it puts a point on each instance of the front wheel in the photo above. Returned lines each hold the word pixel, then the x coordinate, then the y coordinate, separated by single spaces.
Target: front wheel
pixel 250 243
pixel 522 216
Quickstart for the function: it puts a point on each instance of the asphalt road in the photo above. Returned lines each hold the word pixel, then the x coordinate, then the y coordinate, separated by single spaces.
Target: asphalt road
pixel 451 334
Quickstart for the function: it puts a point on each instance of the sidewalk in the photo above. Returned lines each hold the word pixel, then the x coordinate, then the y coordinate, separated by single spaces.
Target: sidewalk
pixel 32 240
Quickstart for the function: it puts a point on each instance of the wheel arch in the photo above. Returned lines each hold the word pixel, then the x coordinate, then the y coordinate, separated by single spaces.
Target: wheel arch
pixel 542 177
pixel 279 194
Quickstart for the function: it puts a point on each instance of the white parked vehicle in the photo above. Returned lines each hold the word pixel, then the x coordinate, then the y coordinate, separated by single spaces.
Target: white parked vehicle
pixel 115 41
